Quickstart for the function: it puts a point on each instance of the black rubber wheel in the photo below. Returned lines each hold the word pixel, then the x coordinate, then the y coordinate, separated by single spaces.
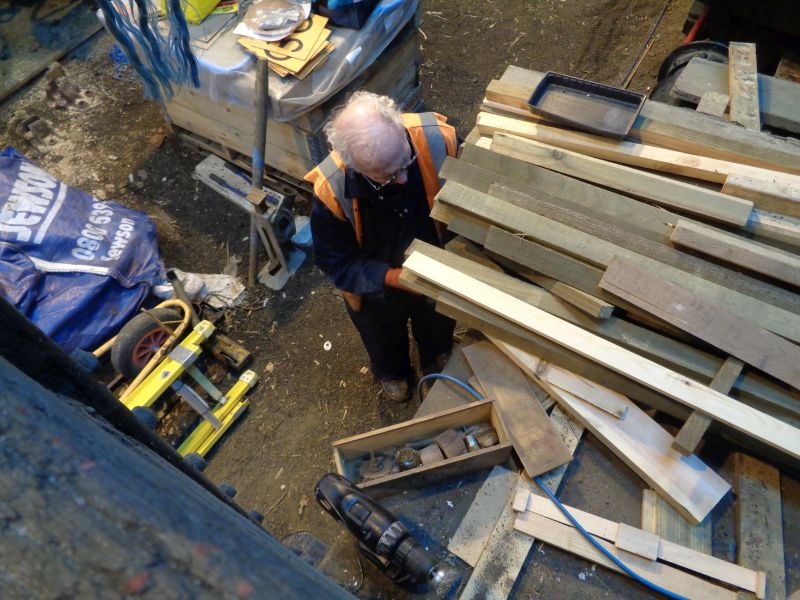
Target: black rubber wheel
pixel 662 92
pixel 141 338
pixel 680 56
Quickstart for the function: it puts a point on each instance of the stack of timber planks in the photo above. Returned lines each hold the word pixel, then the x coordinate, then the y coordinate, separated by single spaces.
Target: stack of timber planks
pixel 655 272
pixel 602 234
pixel 297 146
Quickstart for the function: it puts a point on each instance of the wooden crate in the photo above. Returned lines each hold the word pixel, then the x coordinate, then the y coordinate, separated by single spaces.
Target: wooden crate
pixel 295 147
pixel 349 451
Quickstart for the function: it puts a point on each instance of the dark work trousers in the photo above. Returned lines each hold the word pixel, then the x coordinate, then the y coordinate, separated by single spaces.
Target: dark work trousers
pixel 382 323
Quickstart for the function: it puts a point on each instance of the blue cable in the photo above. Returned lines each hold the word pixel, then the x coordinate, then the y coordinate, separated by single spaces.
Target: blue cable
pixel 562 508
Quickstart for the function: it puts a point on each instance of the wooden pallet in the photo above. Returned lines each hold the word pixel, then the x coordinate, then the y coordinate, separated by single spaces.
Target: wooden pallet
pixel 296 146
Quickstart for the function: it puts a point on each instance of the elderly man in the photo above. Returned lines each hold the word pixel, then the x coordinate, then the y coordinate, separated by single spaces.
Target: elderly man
pixel 373 196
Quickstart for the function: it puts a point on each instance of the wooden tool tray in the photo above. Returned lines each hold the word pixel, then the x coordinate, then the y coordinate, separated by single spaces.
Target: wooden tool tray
pixel 349 451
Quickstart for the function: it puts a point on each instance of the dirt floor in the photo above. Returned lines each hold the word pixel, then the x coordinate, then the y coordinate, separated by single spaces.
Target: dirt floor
pixel 121 148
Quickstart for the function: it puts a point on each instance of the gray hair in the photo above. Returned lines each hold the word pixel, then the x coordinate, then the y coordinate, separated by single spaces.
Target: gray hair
pixel 354 139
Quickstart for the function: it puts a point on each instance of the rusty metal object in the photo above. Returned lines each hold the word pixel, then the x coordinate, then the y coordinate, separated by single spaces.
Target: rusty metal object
pixel 472 443
pixel 485 435
pixel 407 458
pixel 375 467
pixel 64 93
pixel 430 455
pixel 451 443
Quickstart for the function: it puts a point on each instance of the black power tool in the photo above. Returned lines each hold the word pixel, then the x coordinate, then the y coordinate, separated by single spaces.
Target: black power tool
pixel 384 540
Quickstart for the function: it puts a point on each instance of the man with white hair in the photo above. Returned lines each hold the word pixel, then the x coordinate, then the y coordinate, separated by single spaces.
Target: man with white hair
pixel 372 198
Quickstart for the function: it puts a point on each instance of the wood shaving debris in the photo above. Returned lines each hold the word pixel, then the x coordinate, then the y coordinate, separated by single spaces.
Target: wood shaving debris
pixel 274 506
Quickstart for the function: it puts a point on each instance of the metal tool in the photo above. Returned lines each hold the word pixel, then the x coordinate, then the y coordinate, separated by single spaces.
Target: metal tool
pixel 383 539
pixel 229 408
pixel 407 458
pixel 375 467
pixel 272 210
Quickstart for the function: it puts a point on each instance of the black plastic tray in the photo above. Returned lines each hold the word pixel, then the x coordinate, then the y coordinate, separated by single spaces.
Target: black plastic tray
pixel 593 107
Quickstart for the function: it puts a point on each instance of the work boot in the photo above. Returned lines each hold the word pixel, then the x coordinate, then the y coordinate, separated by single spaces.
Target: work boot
pixel 437 365
pixel 396 390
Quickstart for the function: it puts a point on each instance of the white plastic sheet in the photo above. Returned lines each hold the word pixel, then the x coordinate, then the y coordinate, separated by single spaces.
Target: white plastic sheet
pixel 227 72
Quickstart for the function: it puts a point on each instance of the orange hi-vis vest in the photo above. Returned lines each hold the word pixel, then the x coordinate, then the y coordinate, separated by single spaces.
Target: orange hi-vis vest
pixel 433 140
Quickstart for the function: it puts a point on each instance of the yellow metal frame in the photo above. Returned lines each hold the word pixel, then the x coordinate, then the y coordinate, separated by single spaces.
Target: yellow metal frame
pixel 165 374
pixel 204 436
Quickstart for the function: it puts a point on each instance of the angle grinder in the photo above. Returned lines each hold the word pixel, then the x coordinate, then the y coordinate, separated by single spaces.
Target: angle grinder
pixel 384 540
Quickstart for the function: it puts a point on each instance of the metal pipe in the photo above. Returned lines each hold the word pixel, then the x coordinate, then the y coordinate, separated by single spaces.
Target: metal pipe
pixel 259 148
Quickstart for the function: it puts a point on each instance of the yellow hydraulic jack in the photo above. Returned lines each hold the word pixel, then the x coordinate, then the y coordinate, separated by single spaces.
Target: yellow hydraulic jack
pixel 181 360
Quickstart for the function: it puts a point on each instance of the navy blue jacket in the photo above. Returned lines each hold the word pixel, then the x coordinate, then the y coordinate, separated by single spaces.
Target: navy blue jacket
pixel 391 219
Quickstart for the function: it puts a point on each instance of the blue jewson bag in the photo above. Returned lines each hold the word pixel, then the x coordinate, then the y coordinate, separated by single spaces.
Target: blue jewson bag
pixel 76 266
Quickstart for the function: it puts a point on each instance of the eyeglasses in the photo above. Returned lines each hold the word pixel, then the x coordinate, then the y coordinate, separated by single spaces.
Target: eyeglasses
pixel 394 176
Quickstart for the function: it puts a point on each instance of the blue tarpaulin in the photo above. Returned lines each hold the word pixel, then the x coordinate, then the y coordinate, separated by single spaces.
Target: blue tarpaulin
pixel 76 266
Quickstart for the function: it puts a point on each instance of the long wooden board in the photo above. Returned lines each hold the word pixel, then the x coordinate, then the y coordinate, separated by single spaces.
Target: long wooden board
pixel 609 401
pixel 666 550
pixel 570 539
pixel 685 482
pixel 477 526
pixel 682 129
pixel 743 85
pixel 741 417
pixel 772 194
pixel 778 98
pixel 733 249
pixel 633 153
pixel 479 168
pixel 674 304
pixel 671 193
pixel 759 521
pixel 600 253
pixel 659 518
pixel 535 440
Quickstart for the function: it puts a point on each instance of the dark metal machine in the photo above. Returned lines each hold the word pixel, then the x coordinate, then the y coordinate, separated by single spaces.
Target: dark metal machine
pixel 384 540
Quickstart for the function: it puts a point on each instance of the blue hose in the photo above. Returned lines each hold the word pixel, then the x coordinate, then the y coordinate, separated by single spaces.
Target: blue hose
pixel 562 508
pixel 447 378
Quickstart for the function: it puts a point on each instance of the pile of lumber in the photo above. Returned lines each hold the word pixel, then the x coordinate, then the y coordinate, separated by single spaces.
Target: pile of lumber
pixel 619 276
pixel 297 146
